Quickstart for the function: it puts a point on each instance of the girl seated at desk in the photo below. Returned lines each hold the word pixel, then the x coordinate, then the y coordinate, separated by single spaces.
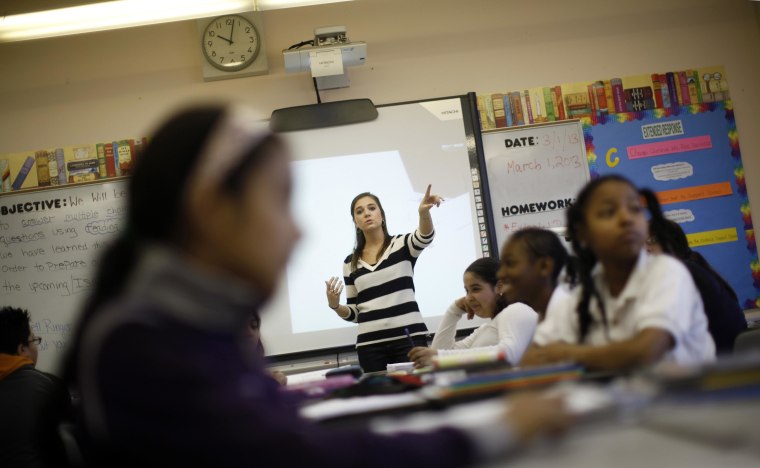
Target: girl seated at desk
pixel 510 327
pixel 632 308
pixel 531 261
pixel 157 356
pixel 725 317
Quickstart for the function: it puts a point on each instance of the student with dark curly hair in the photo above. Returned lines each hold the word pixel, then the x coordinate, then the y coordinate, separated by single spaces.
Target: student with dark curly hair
pixel 631 308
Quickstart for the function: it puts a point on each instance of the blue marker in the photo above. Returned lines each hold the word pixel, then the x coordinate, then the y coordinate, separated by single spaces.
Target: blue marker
pixel 409 337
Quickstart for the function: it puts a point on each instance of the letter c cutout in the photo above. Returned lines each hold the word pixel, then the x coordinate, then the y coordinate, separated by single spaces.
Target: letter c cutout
pixel 611 162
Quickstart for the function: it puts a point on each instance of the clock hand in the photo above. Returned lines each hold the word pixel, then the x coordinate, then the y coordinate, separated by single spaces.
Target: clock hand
pixel 232 29
pixel 221 37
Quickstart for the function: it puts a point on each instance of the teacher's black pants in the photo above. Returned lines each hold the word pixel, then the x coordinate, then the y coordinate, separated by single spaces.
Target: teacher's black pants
pixel 376 357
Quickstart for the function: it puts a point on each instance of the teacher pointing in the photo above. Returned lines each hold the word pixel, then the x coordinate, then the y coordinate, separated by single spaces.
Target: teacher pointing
pixel 379 279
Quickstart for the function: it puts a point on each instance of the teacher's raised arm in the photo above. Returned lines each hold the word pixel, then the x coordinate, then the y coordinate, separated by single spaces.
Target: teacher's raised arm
pixel 428 201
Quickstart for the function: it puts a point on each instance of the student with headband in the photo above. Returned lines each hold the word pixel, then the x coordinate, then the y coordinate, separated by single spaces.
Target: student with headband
pixel 164 377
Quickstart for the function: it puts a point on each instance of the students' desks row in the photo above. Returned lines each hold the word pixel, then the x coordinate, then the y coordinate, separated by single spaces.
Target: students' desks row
pixel 707 419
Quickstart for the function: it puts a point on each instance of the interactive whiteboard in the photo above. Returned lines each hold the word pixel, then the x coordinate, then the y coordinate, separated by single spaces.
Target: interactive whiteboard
pixel 395 156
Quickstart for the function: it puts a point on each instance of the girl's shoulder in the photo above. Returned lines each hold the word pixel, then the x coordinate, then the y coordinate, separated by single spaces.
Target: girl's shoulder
pixel 655 265
pixel 515 311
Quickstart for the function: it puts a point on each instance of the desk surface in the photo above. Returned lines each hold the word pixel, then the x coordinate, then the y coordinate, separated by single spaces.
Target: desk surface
pixel 708 419
pixel 711 435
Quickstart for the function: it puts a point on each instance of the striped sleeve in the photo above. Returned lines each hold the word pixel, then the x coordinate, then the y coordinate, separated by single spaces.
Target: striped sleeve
pixel 351 293
pixel 416 242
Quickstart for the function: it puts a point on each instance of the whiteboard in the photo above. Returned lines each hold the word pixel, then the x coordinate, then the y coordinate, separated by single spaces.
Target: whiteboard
pixel 50 242
pixel 534 173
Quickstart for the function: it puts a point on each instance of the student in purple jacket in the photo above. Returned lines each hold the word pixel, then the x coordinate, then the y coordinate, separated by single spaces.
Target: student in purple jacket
pixel 165 375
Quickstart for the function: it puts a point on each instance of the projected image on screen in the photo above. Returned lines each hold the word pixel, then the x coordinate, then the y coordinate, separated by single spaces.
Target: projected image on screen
pixel 322 198
pixel 395 157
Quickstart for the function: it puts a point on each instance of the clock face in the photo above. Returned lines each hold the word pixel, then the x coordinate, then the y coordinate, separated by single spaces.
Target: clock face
pixel 230 43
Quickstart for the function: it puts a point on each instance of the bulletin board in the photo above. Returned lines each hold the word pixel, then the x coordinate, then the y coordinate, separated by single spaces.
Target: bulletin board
pixel 690 157
pixel 534 173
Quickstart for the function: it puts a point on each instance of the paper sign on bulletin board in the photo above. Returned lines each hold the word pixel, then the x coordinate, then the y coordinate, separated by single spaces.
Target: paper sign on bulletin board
pixel 534 173
pixel 691 159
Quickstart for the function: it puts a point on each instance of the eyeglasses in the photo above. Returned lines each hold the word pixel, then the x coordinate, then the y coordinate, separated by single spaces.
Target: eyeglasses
pixel 36 339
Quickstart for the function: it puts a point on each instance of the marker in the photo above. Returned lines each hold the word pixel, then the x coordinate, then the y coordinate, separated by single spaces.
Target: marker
pixel 409 337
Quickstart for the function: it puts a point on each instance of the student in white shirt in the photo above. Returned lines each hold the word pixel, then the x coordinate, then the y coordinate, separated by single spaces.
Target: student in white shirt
pixel 510 328
pixel 531 261
pixel 632 308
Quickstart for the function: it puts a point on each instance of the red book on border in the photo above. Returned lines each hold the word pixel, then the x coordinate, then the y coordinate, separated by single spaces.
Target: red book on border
pixel 657 86
pixel 684 88
pixel 110 161
pixel 560 102
pixel 601 98
pixel 132 149
pixel 618 95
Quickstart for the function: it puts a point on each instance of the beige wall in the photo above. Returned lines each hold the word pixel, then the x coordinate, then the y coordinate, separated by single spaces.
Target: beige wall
pixel 106 85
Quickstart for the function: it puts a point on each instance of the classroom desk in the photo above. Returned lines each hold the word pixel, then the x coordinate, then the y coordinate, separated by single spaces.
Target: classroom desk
pixel 676 429
pixel 627 447
pixel 724 434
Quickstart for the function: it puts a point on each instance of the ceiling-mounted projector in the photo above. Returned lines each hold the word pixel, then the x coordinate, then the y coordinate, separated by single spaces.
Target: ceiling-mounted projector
pixel 325 39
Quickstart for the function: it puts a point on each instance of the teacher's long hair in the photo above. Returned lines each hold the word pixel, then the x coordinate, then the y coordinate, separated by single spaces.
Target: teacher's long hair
pixel 156 204
pixel 361 241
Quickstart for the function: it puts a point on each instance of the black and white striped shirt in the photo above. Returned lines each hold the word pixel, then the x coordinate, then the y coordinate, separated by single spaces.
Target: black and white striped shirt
pixel 380 297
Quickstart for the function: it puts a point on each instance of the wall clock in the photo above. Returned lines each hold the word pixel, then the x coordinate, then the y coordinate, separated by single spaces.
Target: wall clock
pixel 232 46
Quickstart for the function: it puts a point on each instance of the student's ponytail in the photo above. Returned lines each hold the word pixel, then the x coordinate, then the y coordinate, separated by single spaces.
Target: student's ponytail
pixel 583 264
pixel 657 221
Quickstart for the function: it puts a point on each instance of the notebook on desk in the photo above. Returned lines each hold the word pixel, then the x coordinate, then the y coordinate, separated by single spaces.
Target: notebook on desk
pixel 511 379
